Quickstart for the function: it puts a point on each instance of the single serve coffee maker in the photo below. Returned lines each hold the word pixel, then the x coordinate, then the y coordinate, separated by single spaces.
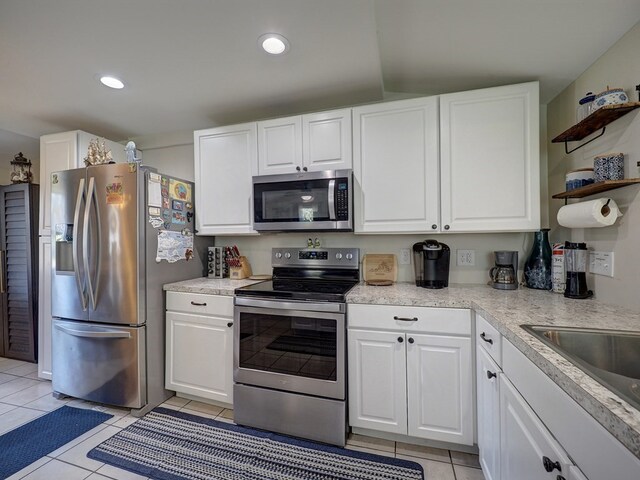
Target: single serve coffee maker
pixel 504 276
pixel 575 264
pixel 431 263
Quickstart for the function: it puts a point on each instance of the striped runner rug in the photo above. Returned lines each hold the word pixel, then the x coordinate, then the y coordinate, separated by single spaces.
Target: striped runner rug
pixel 169 445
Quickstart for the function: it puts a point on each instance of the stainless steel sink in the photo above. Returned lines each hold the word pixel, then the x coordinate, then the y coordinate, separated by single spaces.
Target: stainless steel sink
pixel 611 357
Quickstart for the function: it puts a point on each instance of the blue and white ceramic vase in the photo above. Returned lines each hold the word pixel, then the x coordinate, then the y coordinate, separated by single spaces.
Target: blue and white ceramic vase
pixel 537 268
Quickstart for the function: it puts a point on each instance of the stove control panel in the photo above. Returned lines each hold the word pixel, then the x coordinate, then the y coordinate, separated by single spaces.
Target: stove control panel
pixel 316 257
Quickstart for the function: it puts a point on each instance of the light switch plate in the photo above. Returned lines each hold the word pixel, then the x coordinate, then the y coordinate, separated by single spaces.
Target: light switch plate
pixel 601 263
pixel 405 256
pixel 465 258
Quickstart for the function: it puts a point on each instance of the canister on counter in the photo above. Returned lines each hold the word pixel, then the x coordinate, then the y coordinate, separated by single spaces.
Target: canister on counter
pixel 557 268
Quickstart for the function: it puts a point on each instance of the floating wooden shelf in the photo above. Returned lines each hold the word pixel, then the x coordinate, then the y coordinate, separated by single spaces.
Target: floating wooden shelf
pixel 597 120
pixel 596 188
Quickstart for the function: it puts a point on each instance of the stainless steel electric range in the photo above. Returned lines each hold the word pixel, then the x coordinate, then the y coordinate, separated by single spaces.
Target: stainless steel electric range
pixel 289 365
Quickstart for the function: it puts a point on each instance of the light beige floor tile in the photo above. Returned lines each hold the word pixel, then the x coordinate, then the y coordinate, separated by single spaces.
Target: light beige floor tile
pixel 17 417
pixel 125 421
pixel 14 386
pixel 47 403
pixel 5 407
pixel 170 406
pixel 58 470
pixel 118 473
pixel 195 412
pixel 178 401
pixel 224 420
pixel 372 442
pixel 4 378
pixel 117 413
pixel 204 408
pixel 465 459
pixel 9 363
pixel 78 454
pixel 432 470
pixel 35 376
pixel 30 394
pixel 370 450
pixel 430 453
pixel 226 413
pixel 77 440
pixel 468 473
pixel 29 468
pixel 96 476
pixel 23 370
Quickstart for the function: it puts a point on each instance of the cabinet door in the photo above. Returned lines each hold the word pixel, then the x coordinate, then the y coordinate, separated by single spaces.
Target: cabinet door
pixel 377 380
pixel 326 140
pixel 44 308
pixel 57 152
pixel 524 440
pixel 279 145
pixel 488 413
pixel 200 356
pixel 439 388
pixel 490 161
pixel 395 164
pixel 225 160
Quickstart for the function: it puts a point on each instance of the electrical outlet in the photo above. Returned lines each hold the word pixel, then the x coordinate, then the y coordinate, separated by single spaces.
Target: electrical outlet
pixel 465 258
pixel 405 256
pixel 601 263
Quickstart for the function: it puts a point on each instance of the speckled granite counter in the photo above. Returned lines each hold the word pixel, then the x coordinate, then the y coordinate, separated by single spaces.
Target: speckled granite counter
pixel 507 310
pixel 209 286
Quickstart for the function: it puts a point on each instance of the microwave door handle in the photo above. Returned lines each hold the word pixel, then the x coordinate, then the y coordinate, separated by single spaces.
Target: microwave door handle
pixel 91 198
pixel 331 198
pixel 75 244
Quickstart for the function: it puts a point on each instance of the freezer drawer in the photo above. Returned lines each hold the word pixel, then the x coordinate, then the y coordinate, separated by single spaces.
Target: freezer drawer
pixel 100 363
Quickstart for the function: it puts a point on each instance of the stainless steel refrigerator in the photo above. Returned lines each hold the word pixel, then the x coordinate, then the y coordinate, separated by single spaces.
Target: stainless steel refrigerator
pixel 120 232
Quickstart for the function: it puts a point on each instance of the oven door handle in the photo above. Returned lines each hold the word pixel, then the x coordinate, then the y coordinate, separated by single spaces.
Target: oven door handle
pixel 331 199
pixel 282 305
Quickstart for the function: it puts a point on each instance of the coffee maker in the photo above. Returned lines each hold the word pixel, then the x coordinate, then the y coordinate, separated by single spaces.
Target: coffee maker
pixel 504 276
pixel 575 264
pixel 431 263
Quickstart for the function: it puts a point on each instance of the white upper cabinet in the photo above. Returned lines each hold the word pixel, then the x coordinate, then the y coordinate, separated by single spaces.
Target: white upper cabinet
pixel 490 162
pixel 225 160
pixel 395 164
pixel 313 142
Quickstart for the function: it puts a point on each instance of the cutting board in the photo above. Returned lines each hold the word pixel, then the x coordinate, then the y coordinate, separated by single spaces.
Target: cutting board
pixel 380 268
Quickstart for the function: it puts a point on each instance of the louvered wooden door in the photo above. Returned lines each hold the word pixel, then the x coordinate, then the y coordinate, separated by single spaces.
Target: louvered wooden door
pixel 19 278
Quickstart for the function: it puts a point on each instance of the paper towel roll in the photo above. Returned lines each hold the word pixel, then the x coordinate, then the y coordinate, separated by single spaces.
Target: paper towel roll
pixel 602 212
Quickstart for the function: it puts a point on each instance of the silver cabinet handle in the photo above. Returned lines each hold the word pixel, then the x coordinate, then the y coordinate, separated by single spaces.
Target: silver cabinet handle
pixel 89 334
pixel 74 245
pixel 405 319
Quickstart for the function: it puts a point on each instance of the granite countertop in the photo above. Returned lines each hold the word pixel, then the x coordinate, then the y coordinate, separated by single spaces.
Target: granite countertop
pixel 507 310
pixel 209 286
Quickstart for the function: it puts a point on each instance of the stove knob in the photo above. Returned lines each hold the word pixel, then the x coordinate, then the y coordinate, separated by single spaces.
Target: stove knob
pixel 338 256
pixel 278 255
pixel 349 256
pixel 287 255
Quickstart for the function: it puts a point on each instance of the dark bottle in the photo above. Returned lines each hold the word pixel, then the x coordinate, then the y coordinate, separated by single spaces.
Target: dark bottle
pixel 537 268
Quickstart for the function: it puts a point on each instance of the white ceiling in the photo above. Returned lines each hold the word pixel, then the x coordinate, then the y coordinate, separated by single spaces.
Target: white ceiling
pixel 190 64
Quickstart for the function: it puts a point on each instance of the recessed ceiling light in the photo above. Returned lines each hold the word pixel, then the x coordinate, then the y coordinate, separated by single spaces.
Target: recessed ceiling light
pixel 112 82
pixel 274 44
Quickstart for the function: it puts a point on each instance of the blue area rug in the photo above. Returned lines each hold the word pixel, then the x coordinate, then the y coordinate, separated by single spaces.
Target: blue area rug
pixel 28 443
pixel 170 445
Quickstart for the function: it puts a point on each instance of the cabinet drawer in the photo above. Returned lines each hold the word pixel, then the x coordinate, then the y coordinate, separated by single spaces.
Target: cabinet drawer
pixel 218 305
pixel 453 321
pixel 489 338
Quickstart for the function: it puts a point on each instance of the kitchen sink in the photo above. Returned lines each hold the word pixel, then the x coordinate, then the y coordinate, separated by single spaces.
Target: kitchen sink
pixel 611 357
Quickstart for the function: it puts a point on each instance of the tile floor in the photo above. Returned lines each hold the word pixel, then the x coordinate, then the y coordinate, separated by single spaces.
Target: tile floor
pixel 24 397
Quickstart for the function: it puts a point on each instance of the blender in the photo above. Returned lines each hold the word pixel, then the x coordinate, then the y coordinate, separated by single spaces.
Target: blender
pixel 575 262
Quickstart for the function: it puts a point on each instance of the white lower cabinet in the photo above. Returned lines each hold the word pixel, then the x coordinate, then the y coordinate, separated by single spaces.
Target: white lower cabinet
pixel 44 308
pixel 488 402
pixel 410 372
pixel 200 345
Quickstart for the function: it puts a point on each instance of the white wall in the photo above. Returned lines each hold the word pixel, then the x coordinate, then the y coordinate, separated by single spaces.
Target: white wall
pixel 618 67
pixel 176 161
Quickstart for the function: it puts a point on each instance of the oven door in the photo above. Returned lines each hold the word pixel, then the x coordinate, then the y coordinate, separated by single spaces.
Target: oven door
pixel 290 346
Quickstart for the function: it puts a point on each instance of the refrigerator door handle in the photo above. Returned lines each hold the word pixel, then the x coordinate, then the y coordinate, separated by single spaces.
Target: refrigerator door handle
pixel 93 334
pixel 91 197
pixel 76 221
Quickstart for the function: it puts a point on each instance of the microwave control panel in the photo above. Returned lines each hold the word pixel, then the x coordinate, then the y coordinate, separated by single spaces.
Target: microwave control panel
pixel 342 199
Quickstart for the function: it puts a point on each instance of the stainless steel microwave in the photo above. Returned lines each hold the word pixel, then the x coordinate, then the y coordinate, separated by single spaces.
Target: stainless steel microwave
pixel 306 201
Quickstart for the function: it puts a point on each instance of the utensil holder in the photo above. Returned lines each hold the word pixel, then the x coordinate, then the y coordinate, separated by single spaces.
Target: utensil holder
pixel 243 271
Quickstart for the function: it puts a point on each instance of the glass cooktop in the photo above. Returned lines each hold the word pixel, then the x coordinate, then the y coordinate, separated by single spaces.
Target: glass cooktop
pixel 299 289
